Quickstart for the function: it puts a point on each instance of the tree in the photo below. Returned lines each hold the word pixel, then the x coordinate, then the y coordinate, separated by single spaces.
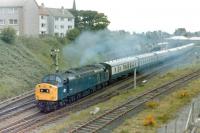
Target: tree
pixel 180 32
pixel 72 34
pixel 8 35
pixel 90 20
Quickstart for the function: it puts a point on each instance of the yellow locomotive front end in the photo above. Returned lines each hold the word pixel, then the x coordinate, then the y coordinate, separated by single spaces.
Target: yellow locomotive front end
pixel 46 92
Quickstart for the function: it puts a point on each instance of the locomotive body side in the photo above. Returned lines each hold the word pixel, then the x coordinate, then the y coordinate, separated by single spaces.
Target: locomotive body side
pixel 81 80
pixel 121 67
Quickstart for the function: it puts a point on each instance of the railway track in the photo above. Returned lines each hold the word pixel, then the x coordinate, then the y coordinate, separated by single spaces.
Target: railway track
pixel 19 104
pixel 15 100
pixel 107 118
pixel 34 120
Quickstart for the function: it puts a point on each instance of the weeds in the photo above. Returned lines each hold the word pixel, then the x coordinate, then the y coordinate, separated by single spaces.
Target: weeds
pixel 152 104
pixel 149 121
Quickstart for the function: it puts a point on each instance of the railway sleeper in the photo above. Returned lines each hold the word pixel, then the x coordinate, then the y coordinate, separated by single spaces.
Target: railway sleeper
pixel 81 131
pixel 110 117
pixel 122 108
pixel 117 113
pixel 128 106
pixel 78 126
pixel 101 121
pixel 95 125
pixel 114 114
pixel 91 127
pixel 84 129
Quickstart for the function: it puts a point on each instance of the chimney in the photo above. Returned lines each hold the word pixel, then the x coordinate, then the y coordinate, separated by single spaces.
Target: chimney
pixel 63 10
pixel 42 5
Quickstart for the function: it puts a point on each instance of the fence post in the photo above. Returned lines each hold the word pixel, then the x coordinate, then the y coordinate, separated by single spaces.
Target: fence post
pixel 165 128
pixel 175 125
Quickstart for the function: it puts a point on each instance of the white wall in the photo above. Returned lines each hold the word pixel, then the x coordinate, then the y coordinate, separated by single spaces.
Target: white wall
pixel 43 21
pixel 58 24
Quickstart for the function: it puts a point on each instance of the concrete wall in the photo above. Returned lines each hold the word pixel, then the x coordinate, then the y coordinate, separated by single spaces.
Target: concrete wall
pixel 43 21
pixel 51 25
pixel 55 25
pixel 31 18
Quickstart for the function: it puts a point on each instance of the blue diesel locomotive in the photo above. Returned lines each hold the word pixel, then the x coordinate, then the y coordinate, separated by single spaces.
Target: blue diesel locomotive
pixel 57 90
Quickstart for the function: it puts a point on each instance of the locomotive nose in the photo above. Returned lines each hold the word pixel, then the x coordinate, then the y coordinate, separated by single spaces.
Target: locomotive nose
pixel 46 92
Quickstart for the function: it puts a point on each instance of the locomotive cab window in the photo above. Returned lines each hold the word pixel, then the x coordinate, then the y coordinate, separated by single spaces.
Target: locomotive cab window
pixel 44 91
pixel 53 79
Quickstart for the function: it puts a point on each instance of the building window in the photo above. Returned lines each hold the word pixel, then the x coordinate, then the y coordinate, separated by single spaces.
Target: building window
pixel 1 10
pixel 43 25
pixel 56 18
pixel 62 19
pixel 69 27
pixel 43 32
pixel 42 17
pixel 13 21
pixel 10 10
pixel 56 27
pixel 62 26
pixel 69 19
pixel 61 34
pixel 56 34
pixel 15 10
pixel 2 21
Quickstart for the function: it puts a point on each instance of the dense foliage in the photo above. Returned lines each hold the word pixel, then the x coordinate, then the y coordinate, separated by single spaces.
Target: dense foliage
pixel 8 35
pixel 90 20
pixel 184 32
pixel 72 34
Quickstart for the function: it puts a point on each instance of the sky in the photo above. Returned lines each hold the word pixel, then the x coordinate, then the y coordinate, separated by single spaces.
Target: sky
pixel 141 15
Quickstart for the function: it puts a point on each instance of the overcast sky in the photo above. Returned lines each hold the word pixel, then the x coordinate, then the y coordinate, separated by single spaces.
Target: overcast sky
pixel 141 15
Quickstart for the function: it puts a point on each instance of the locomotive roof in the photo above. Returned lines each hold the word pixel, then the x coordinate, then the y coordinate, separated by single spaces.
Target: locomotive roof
pixel 132 58
pixel 145 55
pixel 127 59
pixel 120 61
pixel 81 71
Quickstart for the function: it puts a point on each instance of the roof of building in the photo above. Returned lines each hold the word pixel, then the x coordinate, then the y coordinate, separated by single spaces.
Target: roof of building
pixel 59 12
pixel 13 3
pixel 43 11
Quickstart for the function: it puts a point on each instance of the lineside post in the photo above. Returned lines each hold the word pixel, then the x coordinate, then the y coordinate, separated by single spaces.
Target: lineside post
pixel 135 78
pixel 55 57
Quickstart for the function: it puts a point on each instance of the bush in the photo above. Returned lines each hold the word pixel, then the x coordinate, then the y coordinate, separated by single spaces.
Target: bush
pixel 152 104
pixel 73 34
pixel 8 35
pixel 183 94
pixel 149 121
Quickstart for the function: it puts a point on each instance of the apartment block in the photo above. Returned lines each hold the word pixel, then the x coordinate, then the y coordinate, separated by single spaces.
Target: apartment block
pixel 28 18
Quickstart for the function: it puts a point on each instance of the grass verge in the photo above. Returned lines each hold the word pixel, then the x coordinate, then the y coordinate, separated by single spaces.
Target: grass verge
pixel 166 110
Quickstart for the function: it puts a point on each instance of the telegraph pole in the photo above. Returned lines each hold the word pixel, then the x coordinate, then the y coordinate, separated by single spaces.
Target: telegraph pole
pixel 55 57
pixel 135 78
